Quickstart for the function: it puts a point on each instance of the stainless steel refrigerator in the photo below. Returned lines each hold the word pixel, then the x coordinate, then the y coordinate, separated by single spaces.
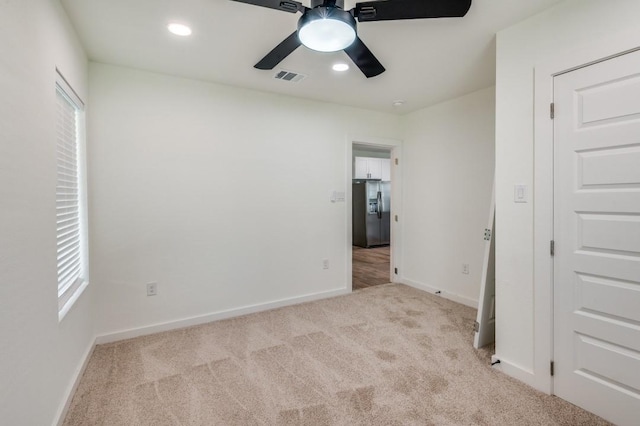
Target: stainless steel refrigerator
pixel 371 213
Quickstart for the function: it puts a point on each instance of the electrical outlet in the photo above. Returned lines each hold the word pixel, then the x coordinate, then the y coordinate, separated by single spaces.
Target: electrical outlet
pixel 325 263
pixel 152 289
pixel 465 268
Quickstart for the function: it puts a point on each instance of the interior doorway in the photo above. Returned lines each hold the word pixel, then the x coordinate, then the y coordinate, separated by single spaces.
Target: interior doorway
pixel 371 215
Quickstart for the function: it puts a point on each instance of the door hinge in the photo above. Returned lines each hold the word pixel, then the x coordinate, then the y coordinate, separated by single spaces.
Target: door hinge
pixel 552 247
pixel 396 161
pixel 487 234
pixel 551 368
pixel 395 271
pixel 476 326
pixel 552 110
pixel 395 218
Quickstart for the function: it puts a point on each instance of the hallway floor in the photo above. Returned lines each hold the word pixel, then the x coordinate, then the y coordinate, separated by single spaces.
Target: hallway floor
pixel 371 266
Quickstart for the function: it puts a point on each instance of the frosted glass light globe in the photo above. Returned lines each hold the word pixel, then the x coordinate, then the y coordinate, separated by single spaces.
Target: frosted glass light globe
pixel 327 35
pixel 326 29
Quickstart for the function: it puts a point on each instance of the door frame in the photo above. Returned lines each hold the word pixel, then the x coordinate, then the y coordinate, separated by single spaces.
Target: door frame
pixel 543 179
pixel 395 145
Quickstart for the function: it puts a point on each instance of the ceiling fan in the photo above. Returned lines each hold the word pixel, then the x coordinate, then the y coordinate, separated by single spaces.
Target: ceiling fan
pixel 327 27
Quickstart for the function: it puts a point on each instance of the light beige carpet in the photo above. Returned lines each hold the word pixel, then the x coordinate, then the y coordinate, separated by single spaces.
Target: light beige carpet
pixel 388 355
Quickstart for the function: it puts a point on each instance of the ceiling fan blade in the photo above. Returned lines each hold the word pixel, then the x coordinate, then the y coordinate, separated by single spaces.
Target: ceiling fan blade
pixel 290 6
pixel 364 59
pixel 410 9
pixel 280 52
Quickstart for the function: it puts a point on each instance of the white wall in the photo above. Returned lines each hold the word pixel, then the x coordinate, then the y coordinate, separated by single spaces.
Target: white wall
pixel 219 194
pixel 570 26
pixel 448 175
pixel 39 357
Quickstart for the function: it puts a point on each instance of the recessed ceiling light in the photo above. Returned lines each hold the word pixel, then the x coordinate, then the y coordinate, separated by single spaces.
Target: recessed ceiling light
pixel 179 29
pixel 398 103
pixel 340 67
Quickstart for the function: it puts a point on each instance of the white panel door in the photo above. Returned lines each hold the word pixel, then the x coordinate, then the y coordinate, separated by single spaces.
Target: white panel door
pixel 597 235
pixel 486 318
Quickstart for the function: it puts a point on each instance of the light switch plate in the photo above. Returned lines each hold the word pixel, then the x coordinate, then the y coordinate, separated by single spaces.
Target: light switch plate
pixel 520 194
pixel 337 197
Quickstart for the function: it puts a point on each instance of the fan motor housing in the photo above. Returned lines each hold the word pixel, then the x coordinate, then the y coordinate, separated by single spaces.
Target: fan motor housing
pixel 338 3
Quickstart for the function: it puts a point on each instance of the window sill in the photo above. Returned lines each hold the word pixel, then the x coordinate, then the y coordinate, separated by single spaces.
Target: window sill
pixel 72 301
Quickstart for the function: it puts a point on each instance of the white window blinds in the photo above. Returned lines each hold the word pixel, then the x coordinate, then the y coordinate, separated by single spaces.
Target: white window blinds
pixel 69 198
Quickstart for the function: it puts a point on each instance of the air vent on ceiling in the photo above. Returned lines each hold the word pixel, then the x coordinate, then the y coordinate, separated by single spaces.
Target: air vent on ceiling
pixel 290 76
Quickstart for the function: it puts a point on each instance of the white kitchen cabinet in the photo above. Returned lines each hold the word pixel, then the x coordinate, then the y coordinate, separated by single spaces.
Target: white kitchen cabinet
pixel 361 168
pixel 375 168
pixel 386 169
pixel 372 168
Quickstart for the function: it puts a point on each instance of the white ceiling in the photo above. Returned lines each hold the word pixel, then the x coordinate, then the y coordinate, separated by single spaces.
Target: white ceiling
pixel 427 60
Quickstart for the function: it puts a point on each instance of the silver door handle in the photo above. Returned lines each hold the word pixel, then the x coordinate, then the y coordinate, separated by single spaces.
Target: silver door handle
pixel 379 205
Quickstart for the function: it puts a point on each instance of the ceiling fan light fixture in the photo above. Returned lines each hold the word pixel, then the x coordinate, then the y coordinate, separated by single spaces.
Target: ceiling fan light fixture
pixel 327 29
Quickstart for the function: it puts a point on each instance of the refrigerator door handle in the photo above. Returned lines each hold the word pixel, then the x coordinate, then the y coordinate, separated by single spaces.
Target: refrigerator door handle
pixel 380 207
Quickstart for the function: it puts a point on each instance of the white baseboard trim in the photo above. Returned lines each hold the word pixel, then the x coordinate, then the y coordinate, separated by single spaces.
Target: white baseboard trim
pixel 73 386
pixel 443 293
pixel 519 373
pixel 215 316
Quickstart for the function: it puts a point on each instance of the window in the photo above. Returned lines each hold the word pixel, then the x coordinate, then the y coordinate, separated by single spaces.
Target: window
pixel 71 235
